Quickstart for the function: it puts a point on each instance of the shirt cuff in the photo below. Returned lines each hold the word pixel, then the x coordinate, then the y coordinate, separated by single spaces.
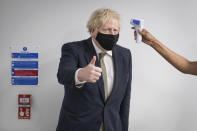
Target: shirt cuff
pixel 78 83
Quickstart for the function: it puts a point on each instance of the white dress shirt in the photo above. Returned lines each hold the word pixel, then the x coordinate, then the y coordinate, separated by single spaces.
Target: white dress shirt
pixel 109 68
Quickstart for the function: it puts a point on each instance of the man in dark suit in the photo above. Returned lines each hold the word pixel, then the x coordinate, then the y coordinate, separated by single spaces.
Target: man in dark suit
pixel 96 74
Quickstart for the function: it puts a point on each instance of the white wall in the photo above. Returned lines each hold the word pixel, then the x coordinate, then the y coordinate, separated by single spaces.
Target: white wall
pixel 163 99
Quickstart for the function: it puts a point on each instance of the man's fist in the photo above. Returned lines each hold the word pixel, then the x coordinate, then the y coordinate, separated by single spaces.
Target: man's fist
pixel 90 73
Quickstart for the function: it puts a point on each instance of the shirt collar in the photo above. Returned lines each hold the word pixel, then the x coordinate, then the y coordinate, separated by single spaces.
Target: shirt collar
pixel 98 50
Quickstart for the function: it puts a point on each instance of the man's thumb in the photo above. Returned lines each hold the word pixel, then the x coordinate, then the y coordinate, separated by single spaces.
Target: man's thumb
pixel 93 60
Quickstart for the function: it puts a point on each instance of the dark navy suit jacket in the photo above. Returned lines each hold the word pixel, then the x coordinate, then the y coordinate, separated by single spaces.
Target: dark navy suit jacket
pixel 85 108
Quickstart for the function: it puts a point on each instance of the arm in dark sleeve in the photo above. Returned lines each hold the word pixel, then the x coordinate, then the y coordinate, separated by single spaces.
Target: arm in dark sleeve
pixel 67 66
pixel 125 105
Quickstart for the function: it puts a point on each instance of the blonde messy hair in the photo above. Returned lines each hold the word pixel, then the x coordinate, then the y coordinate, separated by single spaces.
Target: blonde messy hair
pixel 100 16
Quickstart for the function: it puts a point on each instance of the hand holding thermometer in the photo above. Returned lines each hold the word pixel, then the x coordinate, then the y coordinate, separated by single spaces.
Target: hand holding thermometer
pixel 138 24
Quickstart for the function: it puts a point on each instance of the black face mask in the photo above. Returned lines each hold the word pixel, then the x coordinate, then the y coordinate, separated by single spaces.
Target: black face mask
pixel 107 41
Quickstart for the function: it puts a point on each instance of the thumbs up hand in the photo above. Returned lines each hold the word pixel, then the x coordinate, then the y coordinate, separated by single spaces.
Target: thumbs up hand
pixel 90 73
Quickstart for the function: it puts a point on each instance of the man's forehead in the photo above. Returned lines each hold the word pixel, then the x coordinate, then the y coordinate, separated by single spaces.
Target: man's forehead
pixel 110 26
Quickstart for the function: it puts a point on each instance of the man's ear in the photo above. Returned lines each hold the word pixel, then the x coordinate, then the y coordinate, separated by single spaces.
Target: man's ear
pixel 93 33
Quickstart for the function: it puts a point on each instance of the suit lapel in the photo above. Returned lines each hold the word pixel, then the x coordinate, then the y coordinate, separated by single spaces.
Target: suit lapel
pixel 90 52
